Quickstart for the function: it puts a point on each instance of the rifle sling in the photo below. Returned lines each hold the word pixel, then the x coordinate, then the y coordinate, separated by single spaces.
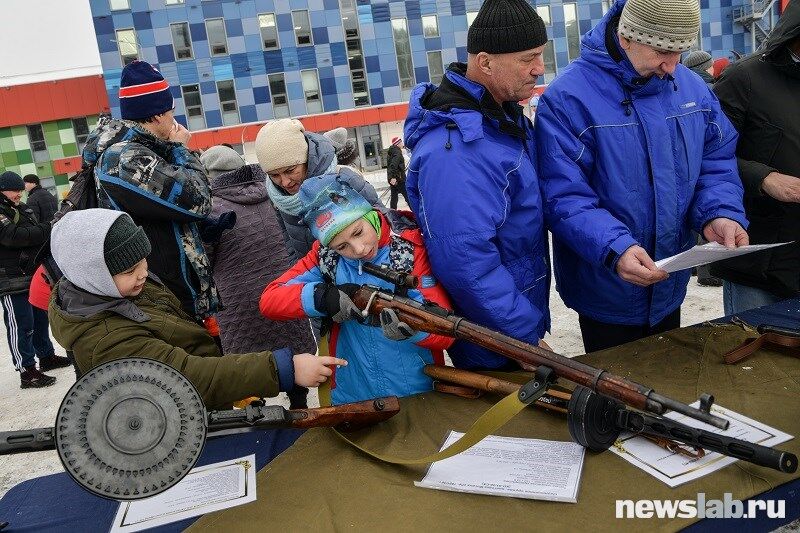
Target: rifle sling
pixel 752 345
pixel 489 422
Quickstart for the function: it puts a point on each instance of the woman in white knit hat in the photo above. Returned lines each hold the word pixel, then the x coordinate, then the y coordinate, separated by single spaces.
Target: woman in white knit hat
pixel 289 155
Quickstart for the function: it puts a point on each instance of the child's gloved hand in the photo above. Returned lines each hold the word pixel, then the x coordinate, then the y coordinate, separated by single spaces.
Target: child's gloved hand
pixel 310 370
pixel 393 328
pixel 334 301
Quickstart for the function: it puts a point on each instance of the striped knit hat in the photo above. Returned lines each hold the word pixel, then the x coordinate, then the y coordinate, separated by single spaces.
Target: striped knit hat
pixel 143 92
pixel 669 25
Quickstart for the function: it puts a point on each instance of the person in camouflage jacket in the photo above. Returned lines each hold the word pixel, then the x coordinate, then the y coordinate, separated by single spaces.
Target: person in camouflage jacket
pixel 143 167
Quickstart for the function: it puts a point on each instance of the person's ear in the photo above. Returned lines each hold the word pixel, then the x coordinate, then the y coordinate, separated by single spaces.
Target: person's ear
pixel 624 43
pixel 484 61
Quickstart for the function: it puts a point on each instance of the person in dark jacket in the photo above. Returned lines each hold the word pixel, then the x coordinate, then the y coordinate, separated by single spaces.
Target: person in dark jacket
pixel 144 168
pixel 289 155
pixel 634 154
pixel 247 258
pixel 27 328
pixel 473 185
pixel 43 204
pixel 396 172
pixel 760 96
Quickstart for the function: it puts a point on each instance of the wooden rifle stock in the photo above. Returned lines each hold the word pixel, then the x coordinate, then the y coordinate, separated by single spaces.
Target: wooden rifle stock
pixel 433 319
pixel 347 417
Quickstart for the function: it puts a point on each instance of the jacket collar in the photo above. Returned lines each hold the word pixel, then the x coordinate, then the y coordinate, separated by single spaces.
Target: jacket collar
pixel 458 92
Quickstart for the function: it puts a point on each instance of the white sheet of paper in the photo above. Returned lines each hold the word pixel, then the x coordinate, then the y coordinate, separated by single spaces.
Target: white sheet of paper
pixel 204 489
pixel 675 469
pixel 510 466
pixel 703 254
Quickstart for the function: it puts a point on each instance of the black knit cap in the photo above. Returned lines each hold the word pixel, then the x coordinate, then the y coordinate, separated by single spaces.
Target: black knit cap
pixel 505 26
pixel 125 245
pixel 10 181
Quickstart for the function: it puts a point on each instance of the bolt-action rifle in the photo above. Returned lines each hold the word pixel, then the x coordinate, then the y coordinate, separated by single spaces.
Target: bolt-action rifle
pixel 432 318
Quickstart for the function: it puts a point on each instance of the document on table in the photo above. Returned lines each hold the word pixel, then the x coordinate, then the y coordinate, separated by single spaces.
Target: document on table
pixel 509 466
pixel 708 253
pixel 205 489
pixel 675 469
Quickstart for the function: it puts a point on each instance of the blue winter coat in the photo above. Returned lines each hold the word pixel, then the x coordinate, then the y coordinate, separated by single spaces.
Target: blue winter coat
pixel 474 190
pixel 625 160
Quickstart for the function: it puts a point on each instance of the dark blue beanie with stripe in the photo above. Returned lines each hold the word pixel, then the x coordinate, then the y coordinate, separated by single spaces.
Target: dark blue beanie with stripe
pixel 143 92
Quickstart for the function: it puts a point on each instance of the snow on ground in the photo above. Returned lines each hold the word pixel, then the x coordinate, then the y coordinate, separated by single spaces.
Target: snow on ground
pixel 32 408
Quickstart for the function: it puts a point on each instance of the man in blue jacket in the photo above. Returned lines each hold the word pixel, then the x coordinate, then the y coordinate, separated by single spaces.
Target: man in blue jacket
pixel 635 153
pixel 472 180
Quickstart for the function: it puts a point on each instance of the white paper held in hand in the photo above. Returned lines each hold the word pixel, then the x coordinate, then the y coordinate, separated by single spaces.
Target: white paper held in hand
pixel 703 254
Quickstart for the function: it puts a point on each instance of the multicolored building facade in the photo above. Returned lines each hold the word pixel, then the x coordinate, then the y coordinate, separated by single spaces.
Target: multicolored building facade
pixel 235 64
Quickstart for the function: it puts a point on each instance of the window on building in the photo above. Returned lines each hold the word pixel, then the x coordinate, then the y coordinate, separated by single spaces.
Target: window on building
pixel 311 90
pixel 128 47
pixel 471 17
pixel 607 5
pixel 194 107
pixel 572 30
pixel 174 2
pixel 277 89
pixel 355 54
pixel 549 58
pixel 117 5
pixel 81 128
pixel 227 102
pixel 430 26
pixel 38 145
pixel 435 67
pixel 302 27
pixel 269 31
pixel 405 64
pixel 181 40
pixel 217 38
pixel 544 13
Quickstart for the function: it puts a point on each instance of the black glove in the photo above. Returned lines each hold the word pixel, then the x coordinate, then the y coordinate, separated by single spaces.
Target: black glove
pixel 335 301
pixel 211 229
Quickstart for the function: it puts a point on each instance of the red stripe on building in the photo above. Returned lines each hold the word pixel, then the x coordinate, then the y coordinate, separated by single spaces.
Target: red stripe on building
pixel 326 121
pixel 144 88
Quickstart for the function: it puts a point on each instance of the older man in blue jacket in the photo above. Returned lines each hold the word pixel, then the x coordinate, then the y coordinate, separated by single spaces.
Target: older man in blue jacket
pixel 472 180
pixel 634 153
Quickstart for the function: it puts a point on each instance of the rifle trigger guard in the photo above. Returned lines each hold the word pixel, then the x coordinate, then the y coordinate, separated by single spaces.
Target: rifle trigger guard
pixel 365 311
pixel 535 388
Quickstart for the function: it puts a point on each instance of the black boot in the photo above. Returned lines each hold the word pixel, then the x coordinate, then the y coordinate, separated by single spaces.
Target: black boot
pixel 54 362
pixel 32 378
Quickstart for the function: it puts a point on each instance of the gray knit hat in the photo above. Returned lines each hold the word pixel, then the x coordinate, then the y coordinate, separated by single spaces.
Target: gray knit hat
pixel 669 25
pixel 125 245
pixel 506 26
pixel 220 160
pixel 345 148
pixel 698 60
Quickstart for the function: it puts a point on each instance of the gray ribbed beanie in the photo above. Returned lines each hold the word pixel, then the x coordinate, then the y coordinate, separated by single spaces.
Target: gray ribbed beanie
pixel 505 26
pixel 698 60
pixel 669 25
pixel 220 160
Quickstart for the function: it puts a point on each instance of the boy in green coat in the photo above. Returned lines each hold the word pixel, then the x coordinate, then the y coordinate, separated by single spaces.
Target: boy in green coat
pixel 108 306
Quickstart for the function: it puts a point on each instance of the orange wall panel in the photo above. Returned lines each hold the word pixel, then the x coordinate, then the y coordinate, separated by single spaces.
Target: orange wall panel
pixel 52 100
pixel 69 165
